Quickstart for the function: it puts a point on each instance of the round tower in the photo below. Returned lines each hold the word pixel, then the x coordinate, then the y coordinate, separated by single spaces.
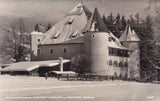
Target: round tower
pixel 97 52
pixel 130 40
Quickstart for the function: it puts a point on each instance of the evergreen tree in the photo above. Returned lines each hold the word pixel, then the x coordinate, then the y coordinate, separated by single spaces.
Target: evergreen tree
pixel 147 49
pixel 149 56
pixel 123 23
pixel 132 21
pixel 137 19
pixel 110 23
pixel 117 25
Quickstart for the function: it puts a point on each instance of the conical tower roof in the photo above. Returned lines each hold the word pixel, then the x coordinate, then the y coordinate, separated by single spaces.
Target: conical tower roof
pixel 129 35
pixel 96 23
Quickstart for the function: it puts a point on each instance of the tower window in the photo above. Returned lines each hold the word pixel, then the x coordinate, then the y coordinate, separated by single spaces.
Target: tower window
pixel 51 51
pixel 39 40
pixel 65 50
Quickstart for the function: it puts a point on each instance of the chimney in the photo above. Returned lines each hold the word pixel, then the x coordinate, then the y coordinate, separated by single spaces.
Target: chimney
pixel 61 63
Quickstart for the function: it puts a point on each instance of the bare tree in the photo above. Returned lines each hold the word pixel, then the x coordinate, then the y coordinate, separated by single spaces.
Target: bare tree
pixel 15 41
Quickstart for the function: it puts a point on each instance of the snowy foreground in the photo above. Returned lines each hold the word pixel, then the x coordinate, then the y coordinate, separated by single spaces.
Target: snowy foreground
pixel 23 88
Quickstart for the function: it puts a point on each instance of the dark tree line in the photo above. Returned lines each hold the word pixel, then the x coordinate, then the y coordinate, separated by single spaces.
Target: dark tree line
pixel 115 24
pixel 149 56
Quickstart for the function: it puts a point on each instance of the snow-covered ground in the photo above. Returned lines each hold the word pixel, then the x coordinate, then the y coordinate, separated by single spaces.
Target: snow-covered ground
pixel 27 88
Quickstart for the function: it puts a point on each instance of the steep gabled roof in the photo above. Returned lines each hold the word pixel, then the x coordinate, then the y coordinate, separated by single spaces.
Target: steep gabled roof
pixel 129 35
pixel 70 27
pixel 77 10
pixel 96 23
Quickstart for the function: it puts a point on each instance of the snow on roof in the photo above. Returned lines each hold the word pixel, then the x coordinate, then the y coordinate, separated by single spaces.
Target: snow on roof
pixel 36 33
pixel 64 72
pixel 129 35
pixel 77 10
pixel 29 66
pixel 115 43
pixel 74 21
pixel 134 36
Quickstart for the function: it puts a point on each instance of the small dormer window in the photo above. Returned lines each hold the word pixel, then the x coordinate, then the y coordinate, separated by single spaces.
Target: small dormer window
pixel 55 36
pixel 75 34
pixel 70 21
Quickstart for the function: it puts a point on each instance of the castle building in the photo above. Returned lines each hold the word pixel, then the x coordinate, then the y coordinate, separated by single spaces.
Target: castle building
pixel 83 32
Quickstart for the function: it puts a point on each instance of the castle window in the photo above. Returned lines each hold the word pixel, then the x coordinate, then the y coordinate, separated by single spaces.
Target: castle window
pixel 38 51
pixel 93 36
pixel 65 50
pixel 51 51
pixel 121 64
pixel 114 51
pixel 38 40
pixel 115 63
pixel 118 52
pixel 110 51
pixel 110 62
pixel 122 43
pixel 126 64
pixel 109 39
pixel 126 53
pixel 113 39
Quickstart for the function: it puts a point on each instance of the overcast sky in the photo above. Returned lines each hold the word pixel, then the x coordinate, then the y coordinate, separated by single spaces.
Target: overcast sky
pixel 54 10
